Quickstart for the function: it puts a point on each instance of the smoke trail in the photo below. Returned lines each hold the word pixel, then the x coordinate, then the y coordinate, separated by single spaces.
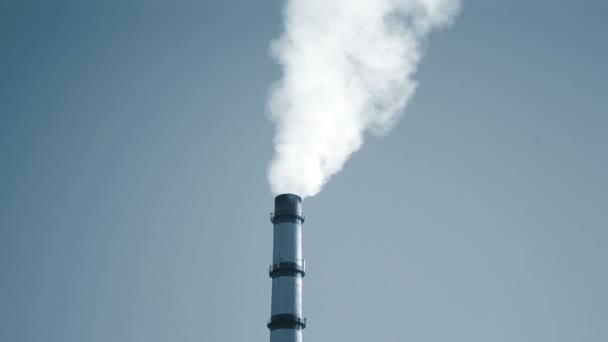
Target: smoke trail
pixel 347 70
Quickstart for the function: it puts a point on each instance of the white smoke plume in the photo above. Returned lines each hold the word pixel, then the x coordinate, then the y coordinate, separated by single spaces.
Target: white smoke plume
pixel 348 69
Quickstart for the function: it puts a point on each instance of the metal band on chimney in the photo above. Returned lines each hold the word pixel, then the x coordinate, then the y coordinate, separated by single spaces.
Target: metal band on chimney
pixel 277 218
pixel 286 321
pixel 286 269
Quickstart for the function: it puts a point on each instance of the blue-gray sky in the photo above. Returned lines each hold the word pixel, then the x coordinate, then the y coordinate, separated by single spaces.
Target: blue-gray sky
pixel 134 204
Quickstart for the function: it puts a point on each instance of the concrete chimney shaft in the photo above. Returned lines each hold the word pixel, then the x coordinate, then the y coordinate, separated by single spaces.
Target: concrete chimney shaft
pixel 287 270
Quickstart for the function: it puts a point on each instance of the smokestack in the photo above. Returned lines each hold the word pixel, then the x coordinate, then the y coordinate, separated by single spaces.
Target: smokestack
pixel 287 270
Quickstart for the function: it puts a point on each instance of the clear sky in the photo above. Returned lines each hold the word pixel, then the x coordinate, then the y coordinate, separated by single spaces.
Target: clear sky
pixel 134 204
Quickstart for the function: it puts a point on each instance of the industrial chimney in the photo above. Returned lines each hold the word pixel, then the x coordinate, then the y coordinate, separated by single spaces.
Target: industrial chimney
pixel 287 270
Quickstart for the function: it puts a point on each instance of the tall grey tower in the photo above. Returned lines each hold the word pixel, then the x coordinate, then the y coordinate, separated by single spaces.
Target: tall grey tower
pixel 287 270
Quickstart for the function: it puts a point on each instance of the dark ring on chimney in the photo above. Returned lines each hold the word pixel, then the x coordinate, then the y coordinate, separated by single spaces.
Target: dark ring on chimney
pixel 286 269
pixel 286 321
pixel 277 218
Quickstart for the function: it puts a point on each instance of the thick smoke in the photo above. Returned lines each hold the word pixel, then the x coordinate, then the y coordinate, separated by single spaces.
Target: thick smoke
pixel 347 70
